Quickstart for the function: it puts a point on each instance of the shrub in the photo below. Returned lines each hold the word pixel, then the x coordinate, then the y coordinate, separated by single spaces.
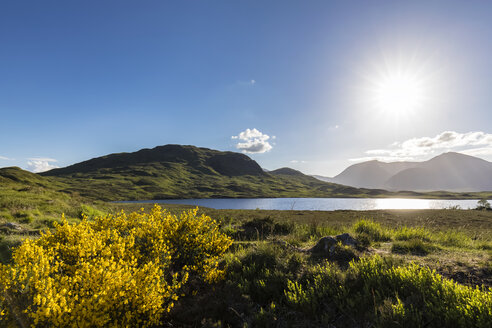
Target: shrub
pixel 372 230
pixel 47 222
pixel 260 228
pixel 87 211
pixel 413 246
pixel 373 291
pixel 483 204
pixel 408 233
pixel 262 272
pixel 452 238
pixel 24 216
pixel 4 215
pixel 311 232
pixel 6 245
pixel 114 271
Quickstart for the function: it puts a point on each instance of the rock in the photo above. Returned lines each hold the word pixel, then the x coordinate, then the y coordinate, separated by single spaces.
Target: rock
pixel 342 254
pixel 324 245
pixel 347 240
pixel 328 244
pixel 13 226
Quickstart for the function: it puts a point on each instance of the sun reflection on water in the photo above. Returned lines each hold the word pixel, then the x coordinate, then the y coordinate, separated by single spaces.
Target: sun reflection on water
pixel 402 204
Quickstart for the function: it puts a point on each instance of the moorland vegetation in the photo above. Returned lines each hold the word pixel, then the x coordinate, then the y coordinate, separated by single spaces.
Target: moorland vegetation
pixel 408 268
pixel 183 267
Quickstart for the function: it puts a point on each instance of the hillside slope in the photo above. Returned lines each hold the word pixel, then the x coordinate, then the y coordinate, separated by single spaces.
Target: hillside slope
pixel 175 171
pixel 372 174
pixel 26 195
pixel 450 171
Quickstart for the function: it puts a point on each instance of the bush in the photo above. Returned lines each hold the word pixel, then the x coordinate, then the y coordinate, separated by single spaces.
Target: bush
pixel 114 271
pixel 452 238
pixel 414 247
pixel 483 204
pixel 87 211
pixel 372 230
pixel 262 272
pixel 261 228
pixel 24 216
pixel 373 291
pixel 7 243
pixel 47 222
pixel 408 233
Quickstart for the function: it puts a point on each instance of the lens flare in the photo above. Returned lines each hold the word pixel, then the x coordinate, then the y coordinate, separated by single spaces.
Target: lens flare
pixel 399 92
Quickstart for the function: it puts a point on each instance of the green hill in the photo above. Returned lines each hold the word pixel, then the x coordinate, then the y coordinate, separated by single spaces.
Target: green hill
pixel 204 160
pixel 26 195
pixel 175 171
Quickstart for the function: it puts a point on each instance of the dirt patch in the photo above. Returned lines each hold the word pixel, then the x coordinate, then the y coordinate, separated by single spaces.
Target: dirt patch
pixel 471 276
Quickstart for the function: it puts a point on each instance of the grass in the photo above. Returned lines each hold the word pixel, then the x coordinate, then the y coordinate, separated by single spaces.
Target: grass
pixel 174 171
pixel 371 230
pixel 269 286
pixel 273 281
pixel 413 246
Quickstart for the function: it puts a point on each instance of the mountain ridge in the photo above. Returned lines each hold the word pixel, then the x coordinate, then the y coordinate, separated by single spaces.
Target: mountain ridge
pixel 449 171
pixel 197 156
pixel 188 172
pixel 177 171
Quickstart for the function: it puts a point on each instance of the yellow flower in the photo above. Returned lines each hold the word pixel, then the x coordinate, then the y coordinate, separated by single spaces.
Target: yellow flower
pixel 118 270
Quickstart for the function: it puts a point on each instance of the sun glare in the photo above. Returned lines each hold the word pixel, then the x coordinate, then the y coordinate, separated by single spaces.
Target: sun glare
pixel 399 88
pixel 399 92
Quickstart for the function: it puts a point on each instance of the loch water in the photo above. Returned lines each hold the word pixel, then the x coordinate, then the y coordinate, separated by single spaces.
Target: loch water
pixel 321 204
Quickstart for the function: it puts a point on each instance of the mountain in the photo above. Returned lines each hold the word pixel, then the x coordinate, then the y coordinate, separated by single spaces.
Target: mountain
pixel 202 159
pixel 372 174
pixel 287 171
pixel 176 171
pixel 449 171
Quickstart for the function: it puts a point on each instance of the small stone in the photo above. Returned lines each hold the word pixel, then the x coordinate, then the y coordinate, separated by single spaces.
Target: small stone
pixel 13 226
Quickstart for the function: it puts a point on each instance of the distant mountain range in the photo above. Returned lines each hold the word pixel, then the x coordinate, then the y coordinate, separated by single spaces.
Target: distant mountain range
pixel 176 171
pixel 450 171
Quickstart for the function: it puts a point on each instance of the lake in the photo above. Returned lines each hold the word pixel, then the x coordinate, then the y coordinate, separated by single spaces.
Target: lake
pixel 320 204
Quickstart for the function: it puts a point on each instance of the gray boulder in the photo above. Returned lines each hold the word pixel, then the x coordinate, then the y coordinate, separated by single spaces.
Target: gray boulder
pixel 324 245
pixel 328 244
pixel 347 240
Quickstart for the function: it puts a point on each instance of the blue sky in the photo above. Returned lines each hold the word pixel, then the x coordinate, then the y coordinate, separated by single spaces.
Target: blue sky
pixel 305 84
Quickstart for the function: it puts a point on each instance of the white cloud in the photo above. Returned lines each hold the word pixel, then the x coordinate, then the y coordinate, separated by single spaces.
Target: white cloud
pixel 295 161
pixel 245 83
pixel 5 158
pixel 42 164
pixel 253 141
pixel 471 143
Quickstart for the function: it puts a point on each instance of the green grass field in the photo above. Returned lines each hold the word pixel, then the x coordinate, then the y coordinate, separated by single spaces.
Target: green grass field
pixel 273 281
pixel 411 268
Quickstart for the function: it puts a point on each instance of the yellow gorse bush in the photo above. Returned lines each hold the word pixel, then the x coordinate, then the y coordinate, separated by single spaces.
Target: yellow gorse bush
pixel 116 271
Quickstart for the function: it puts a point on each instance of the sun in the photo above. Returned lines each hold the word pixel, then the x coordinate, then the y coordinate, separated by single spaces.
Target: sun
pixel 398 91
pixel 399 87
